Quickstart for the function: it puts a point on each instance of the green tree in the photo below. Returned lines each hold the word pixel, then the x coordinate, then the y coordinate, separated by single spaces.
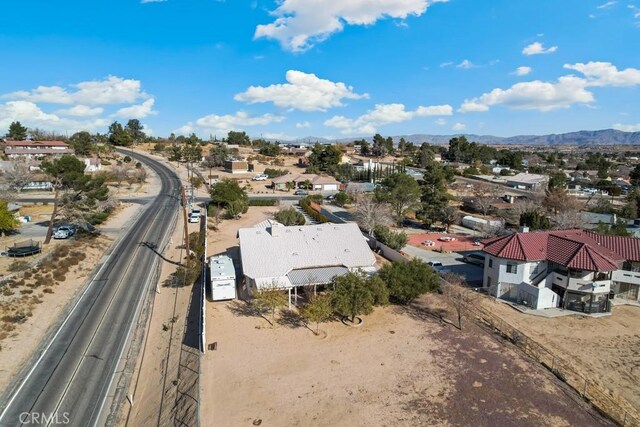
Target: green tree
pixel 634 176
pixel 325 157
pixel 342 199
pixel 81 143
pixel 8 221
pixel 175 154
pixel 319 309
pixel 351 296
pixel 401 192
pixel 136 130
pixel 217 155
pixel 159 147
pixel 118 136
pixel 227 191
pixel 290 185
pixel 379 148
pixel 535 220
pixel 270 150
pixel 270 298
pixel 434 192
pixel 408 280
pixel 617 229
pixel 557 180
pixel 289 216
pixel 378 289
pixel 17 132
pixel 76 194
pixel 395 240
pixel 364 147
pixel 238 138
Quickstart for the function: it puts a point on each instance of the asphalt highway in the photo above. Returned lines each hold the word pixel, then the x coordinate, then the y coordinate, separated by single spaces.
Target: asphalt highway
pixel 69 380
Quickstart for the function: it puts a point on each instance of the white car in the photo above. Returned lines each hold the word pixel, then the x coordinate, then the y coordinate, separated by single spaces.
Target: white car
pixel 194 217
pixel 438 267
pixel 61 234
pixel 447 239
pixel 429 243
pixel 260 178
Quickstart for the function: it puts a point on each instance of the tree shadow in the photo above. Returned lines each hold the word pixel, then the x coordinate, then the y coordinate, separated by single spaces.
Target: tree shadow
pixel 191 334
pixel 424 313
pixel 246 309
pixel 291 319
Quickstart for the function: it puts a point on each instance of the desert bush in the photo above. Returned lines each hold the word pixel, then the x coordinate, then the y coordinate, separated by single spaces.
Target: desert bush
pixel 47 290
pixel 18 266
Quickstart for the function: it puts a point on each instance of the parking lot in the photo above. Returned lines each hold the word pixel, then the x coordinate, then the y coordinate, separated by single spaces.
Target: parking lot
pixel 451 261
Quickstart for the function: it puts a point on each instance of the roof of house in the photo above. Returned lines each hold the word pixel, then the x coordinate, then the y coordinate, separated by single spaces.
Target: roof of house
pixel 578 249
pixel 272 253
pixel 301 177
pixel 36 144
pixel 527 178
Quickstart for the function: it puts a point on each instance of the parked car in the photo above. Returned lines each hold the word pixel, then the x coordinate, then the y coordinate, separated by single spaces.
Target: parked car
pixel 260 177
pixel 195 211
pixel 447 239
pixel 428 243
pixel 194 217
pixel 474 258
pixel 438 267
pixel 331 197
pixel 301 193
pixel 69 229
pixel 61 234
pixel 476 242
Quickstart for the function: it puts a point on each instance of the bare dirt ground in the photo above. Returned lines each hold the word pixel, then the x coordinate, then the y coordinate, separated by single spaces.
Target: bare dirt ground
pixel 403 367
pixel 604 349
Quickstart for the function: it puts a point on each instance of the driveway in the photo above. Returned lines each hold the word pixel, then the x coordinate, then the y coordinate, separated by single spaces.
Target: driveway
pixel 452 261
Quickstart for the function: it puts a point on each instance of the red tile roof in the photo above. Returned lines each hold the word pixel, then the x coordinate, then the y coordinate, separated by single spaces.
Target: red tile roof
pixel 579 249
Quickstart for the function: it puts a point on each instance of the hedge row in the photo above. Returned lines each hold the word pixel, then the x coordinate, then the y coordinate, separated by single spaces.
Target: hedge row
pixel 315 215
pixel 263 202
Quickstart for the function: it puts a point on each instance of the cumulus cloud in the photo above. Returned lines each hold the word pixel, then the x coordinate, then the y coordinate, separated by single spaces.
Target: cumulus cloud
pixel 384 114
pixel 466 64
pixel 303 125
pixel 31 115
pixel 81 111
pixel 299 25
pixel 606 74
pixel 138 111
pixel 305 92
pixel 523 71
pixel 441 122
pixel 627 128
pixel 235 121
pixel 538 48
pixel 112 90
pixel 534 95
pixel 459 127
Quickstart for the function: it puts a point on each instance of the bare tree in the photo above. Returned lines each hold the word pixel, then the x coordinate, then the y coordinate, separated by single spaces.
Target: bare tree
pixel 120 172
pixel 449 216
pixel 559 201
pixel 454 291
pixel 140 174
pixel 484 195
pixel 18 176
pixel 370 213
pixel 567 219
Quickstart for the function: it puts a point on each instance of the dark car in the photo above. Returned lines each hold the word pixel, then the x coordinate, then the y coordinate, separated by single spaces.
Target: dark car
pixel 301 193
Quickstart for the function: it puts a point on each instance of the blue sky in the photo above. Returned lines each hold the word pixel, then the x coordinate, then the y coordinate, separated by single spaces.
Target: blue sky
pixel 293 68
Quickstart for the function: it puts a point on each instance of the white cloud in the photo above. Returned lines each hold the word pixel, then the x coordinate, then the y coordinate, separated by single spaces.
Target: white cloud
pixel 299 25
pixel 138 111
pixel 534 95
pixel 606 74
pixel 303 125
pixel 187 129
pixel 441 122
pixel 466 64
pixel 236 121
pixel 280 136
pixel 112 90
pixel 305 92
pixel 459 127
pixel 627 128
pixel 523 71
pixel 384 114
pixel 538 48
pixel 81 111
pixel 446 64
pixel 32 116
pixel 607 5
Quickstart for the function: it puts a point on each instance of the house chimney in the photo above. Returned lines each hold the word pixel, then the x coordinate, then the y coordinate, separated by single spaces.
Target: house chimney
pixel 614 219
pixel 524 229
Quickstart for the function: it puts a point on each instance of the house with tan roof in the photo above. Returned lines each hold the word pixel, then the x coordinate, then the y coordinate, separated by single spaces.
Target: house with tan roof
pixel 31 149
pixel 318 182
pixel 577 270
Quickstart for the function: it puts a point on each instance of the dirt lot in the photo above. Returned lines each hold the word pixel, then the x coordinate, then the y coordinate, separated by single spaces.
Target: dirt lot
pixel 605 349
pixel 403 367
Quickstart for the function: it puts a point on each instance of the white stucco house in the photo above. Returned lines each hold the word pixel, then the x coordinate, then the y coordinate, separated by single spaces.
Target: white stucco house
pixel 573 269
pixel 528 181
pixel 297 256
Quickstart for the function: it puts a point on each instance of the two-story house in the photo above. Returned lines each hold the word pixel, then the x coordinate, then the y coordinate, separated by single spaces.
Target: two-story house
pixel 31 149
pixel 573 269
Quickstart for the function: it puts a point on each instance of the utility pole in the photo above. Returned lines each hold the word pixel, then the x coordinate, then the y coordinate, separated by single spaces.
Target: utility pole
pixel 186 224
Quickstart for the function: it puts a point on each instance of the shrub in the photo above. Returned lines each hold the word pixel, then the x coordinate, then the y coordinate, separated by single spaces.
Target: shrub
pixel 406 281
pixel 263 202
pixel 289 216
pixel 274 173
pixel 18 266
pixel 395 240
pixel 305 204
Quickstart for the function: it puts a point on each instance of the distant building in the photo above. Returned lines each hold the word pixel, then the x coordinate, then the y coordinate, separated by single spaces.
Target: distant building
pixel 528 181
pixel 31 149
pixel 236 166
pixel 301 256
pixel 318 183
pixel 92 165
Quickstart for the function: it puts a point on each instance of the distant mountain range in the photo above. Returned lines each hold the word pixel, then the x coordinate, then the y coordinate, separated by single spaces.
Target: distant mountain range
pixel 583 137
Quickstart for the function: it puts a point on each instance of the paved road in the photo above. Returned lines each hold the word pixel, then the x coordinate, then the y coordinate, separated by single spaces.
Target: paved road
pixel 72 376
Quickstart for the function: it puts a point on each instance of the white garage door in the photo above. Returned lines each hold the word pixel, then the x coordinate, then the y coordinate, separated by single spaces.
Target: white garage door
pixel 331 187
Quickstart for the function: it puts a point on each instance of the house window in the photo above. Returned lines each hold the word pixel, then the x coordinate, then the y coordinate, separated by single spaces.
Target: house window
pixel 490 262
pixel 512 268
